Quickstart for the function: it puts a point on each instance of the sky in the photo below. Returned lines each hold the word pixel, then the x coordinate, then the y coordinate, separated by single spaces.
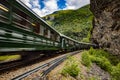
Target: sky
pixel 45 7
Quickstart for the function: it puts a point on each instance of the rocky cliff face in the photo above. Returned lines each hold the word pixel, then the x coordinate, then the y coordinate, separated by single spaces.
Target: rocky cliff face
pixel 106 24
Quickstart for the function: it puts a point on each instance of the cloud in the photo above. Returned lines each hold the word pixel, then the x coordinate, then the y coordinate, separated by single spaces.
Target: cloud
pixel 75 4
pixel 27 2
pixel 35 3
pixel 51 6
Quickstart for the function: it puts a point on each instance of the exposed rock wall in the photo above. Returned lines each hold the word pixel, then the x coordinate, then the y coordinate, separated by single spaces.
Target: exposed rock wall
pixel 106 24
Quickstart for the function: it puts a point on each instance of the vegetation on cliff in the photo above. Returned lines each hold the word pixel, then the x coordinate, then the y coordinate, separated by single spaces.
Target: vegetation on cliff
pixel 104 60
pixel 76 24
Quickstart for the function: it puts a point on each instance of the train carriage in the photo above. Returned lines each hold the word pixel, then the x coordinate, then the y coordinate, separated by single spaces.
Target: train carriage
pixel 22 29
pixel 69 44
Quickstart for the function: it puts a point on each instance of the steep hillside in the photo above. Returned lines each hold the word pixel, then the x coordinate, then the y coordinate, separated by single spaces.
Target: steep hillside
pixel 73 23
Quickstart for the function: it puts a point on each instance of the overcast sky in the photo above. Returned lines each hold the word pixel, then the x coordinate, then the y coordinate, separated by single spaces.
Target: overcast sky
pixel 45 7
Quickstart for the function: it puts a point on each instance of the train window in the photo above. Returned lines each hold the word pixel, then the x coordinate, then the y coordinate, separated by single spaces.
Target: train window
pixel 21 19
pixel 4 11
pixel 55 37
pixel 71 42
pixel 58 38
pixel 66 41
pixel 49 33
pixel 41 30
pixel 3 7
pixel 52 35
pixel 36 27
pixel 45 32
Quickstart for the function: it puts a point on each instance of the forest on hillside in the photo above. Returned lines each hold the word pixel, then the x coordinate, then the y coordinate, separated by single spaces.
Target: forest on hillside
pixel 76 24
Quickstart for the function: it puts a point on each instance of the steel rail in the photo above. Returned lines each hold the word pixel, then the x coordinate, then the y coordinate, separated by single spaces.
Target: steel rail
pixel 45 72
pixel 54 63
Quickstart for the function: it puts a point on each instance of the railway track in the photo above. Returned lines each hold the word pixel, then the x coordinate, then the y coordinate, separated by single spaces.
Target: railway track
pixel 13 64
pixel 30 58
pixel 45 68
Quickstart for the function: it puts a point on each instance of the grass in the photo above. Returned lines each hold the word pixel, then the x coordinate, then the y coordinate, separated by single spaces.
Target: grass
pixel 116 72
pixel 9 57
pixel 104 60
pixel 94 78
pixel 86 59
pixel 71 68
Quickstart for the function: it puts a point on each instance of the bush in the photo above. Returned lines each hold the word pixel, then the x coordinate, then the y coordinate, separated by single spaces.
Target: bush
pixel 116 72
pixel 114 60
pixel 87 39
pixel 71 68
pixel 86 59
pixel 101 58
pixel 94 78
pixel 98 52
pixel 91 51
pixel 103 62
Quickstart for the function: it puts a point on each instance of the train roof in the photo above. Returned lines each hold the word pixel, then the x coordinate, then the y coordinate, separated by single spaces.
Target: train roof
pixel 30 10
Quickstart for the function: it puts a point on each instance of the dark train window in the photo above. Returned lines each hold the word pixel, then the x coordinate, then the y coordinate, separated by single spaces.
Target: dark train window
pixel 4 11
pixel 41 30
pixel 52 35
pixel 4 5
pixel 66 41
pixel 49 33
pixel 57 38
pixel 36 27
pixel 45 32
pixel 22 20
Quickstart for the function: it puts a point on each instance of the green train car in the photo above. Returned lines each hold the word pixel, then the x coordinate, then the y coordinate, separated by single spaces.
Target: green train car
pixel 21 29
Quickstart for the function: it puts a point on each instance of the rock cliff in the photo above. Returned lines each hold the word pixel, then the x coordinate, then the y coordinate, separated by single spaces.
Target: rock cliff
pixel 106 24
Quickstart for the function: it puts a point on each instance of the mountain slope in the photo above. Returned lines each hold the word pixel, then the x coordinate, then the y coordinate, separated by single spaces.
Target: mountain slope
pixel 73 23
